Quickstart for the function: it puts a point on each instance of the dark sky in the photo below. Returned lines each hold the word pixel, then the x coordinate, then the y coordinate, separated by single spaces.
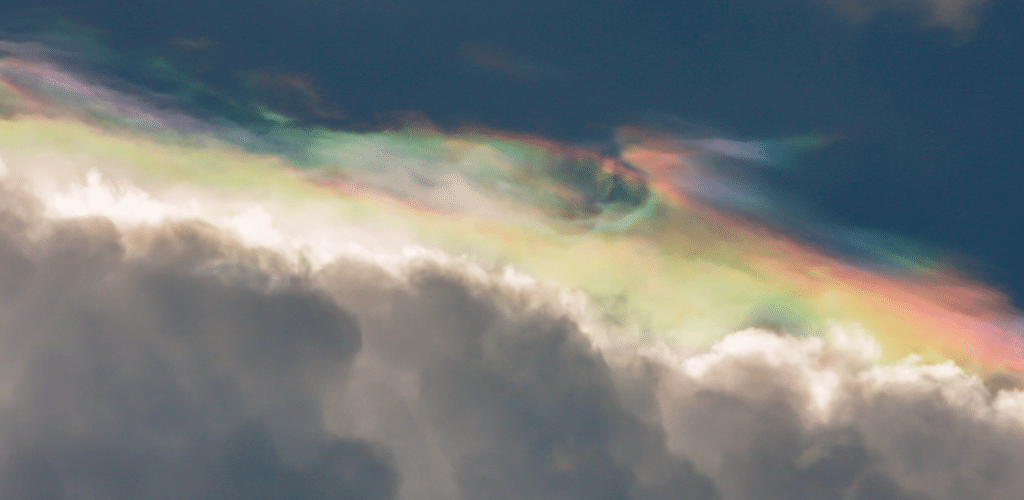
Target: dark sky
pixel 925 107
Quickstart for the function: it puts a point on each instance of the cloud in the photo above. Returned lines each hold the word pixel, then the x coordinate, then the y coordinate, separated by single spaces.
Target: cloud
pixel 169 360
pixel 166 363
pixel 524 404
pixel 781 417
pixel 511 63
pixel 955 15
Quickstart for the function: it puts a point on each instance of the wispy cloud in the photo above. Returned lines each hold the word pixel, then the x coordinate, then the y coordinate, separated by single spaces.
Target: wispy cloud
pixel 956 15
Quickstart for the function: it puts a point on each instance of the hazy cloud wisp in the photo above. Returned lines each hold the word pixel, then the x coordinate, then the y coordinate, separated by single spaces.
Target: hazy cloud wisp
pixel 956 15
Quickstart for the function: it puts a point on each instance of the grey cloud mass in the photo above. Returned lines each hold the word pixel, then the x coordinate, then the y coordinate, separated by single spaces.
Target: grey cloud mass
pixel 172 362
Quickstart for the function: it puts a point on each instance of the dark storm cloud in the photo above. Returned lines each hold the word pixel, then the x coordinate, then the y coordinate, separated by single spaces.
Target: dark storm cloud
pixel 172 362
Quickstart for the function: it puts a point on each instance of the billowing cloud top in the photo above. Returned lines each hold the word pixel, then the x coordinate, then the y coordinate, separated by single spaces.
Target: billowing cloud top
pixel 219 313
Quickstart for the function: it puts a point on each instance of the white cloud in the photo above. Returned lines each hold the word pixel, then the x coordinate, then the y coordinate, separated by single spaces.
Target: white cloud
pixel 172 360
pixel 770 416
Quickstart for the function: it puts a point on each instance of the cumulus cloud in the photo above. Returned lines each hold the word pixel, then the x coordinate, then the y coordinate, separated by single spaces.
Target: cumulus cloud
pixel 169 360
pixel 177 366
pixel 781 417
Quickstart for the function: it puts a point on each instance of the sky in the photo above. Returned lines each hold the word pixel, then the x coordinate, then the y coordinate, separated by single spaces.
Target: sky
pixel 457 250
pixel 919 96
